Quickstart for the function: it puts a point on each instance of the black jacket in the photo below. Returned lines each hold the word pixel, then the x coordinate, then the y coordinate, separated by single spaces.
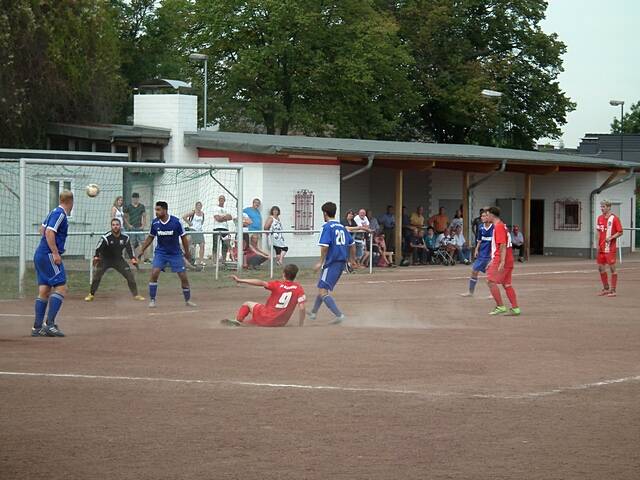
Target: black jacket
pixel 110 247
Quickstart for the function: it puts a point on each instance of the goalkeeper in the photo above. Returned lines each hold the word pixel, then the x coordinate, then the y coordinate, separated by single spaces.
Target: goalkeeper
pixel 109 255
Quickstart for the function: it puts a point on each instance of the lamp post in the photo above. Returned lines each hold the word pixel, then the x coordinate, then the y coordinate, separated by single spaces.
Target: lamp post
pixel 615 103
pixel 201 57
pixel 497 96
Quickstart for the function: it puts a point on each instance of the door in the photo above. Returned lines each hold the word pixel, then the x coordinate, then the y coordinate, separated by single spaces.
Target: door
pixel 536 241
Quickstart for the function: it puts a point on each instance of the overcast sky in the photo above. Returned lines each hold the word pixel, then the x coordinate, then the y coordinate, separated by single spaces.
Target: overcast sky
pixel 601 63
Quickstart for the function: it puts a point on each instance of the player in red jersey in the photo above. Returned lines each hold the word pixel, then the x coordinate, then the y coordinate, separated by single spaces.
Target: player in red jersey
pixel 286 295
pixel 609 230
pixel 501 267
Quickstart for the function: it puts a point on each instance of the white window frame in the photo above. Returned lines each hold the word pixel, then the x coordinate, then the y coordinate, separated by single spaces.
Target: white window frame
pixel 61 182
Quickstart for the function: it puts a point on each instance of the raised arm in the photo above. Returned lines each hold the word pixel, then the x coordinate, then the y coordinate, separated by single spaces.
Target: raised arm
pixel 249 281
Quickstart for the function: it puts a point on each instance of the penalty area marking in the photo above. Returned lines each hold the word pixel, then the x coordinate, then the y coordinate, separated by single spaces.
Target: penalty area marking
pixel 516 396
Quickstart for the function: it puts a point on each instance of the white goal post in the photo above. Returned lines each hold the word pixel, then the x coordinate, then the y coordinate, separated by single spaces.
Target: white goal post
pixel 23 194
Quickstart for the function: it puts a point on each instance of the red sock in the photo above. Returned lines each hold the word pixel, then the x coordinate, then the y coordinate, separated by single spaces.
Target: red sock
pixel 605 280
pixel 495 291
pixel 614 281
pixel 511 295
pixel 242 313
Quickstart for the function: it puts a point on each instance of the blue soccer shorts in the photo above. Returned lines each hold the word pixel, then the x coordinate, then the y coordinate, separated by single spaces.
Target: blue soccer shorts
pixel 480 265
pixel 47 272
pixel 330 275
pixel 161 260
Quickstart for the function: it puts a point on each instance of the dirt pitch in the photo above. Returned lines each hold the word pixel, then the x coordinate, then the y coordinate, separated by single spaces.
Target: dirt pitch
pixel 419 384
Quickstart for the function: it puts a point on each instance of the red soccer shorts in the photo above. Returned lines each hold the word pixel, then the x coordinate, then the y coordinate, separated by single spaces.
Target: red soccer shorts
pixel 260 316
pixel 503 277
pixel 606 258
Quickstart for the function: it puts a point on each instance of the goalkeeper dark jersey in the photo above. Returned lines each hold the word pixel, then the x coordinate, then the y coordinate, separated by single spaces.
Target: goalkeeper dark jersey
pixel 110 247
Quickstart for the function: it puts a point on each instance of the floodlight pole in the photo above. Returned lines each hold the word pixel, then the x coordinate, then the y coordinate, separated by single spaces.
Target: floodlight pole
pixel 201 57
pixel 615 103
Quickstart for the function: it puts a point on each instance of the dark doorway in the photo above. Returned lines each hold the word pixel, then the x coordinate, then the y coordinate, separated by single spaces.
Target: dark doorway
pixel 536 242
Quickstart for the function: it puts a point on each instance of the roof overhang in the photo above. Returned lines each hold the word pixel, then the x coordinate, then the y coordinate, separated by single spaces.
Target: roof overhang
pixel 112 133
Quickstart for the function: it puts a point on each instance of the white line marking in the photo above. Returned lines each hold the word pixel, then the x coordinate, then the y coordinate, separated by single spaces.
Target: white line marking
pixel 15 315
pixel 515 396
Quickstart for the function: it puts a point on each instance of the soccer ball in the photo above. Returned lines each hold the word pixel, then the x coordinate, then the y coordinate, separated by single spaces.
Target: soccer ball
pixel 92 190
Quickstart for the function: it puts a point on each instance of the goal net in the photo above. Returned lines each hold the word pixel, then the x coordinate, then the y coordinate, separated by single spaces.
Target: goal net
pixel 119 185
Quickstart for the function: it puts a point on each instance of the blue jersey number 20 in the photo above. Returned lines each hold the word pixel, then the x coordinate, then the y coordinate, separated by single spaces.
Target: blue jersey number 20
pixel 340 237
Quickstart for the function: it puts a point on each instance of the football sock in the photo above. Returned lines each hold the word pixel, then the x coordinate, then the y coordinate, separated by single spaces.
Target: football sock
pixel 472 284
pixel 495 292
pixel 511 295
pixel 331 305
pixel 605 280
pixel 153 289
pixel 242 313
pixel 41 308
pixel 187 294
pixel 614 281
pixel 55 304
pixel 317 304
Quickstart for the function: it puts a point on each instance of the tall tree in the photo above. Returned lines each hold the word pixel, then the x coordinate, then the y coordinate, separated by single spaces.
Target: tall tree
pixel 60 63
pixel 463 46
pixel 631 121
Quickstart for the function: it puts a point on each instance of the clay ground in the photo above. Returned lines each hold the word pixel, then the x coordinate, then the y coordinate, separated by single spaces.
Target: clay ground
pixel 419 384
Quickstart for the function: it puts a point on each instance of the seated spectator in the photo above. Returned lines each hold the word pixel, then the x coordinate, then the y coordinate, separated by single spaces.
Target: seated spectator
pixel 517 242
pixel 440 221
pixel 457 221
pixel 418 248
pixel 386 257
pixel 445 241
pixel 407 231
pixel 462 248
pixel 253 255
pixel 431 241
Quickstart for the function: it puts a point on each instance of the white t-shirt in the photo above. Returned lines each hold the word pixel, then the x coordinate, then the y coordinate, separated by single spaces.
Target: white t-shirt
pixel 443 240
pixel 197 222
pixel 218 210
pixel 277 238
pixel 361 222
pixel 458 240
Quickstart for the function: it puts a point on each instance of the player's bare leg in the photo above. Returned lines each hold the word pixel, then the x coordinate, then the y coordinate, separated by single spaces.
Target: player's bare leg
pixel 186 289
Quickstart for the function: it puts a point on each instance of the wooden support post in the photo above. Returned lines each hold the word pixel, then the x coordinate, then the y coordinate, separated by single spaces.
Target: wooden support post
pixel 398 209
pixel 466 210
pixel 526 220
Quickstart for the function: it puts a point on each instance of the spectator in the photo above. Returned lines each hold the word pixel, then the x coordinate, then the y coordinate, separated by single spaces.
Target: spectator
pixel 407 231
pixel 418 248
pixel 256 219
pixel 475 225
pixel 253 255
pixel 417 218
pixel 221 218
pixel 361 235
pixel 517 242
pixel 374 225
pixel 388 223
pixel 274 225
pixel 195 224
pixel 386 257
pixel 462 248
pixel 431 242
pixel 117 210
pixel 445 241
pixel 135 220
pixel 440 221
pixel 457 220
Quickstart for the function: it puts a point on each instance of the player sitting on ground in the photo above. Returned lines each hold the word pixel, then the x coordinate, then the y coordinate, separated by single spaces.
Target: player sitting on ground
pixel 286 295
pixel 609 230
pixel 500 269
pixel 109 255
pixel 169 232
pixel 484 234
pixel 50 269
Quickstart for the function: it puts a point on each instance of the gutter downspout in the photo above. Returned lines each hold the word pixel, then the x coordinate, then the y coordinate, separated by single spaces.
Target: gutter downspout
pixel 608 183
pixel 480 181
pixel 368 166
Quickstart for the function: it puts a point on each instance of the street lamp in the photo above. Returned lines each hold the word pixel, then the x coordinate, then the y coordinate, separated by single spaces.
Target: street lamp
pixel 490 93
pixel 497 96
pixel 615 103
pixel 201 57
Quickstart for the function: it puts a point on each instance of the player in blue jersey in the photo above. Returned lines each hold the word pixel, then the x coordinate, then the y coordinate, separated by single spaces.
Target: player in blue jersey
pixel 50 269
pixel 168 232
pixel 483 251
pixel 336 248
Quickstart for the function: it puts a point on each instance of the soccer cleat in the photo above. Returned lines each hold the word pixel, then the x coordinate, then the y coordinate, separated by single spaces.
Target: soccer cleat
pixel 338 320
pixel 466 294
pixel 152 303
pixel 89 298
pixel 604 292
pixel 139 298
pixel 612 293
pixel 499 310
pixel 515 312
pixel 51 331
pixel 189 303
pixel 312 316
pixel 37 332
pixel 229 322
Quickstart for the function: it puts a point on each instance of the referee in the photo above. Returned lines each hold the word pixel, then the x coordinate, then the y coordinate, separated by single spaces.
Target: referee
pixel 109 255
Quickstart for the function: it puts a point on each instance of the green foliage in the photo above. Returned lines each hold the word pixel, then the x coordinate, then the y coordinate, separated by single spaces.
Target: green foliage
pixel 631 121
pixel 60 63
